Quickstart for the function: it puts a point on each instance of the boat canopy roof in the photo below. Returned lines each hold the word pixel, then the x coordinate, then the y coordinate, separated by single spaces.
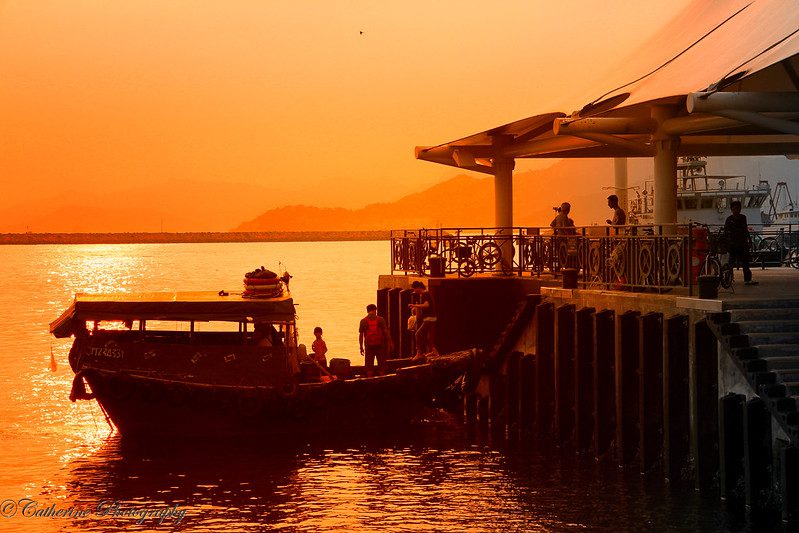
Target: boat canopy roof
pixel 198 306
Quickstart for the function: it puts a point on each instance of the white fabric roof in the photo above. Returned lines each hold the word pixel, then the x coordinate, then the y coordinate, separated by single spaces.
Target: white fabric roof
pixel 723 45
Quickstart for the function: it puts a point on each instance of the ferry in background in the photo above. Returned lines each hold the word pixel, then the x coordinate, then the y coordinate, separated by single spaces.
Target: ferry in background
pixel 703 198
pixel 782 211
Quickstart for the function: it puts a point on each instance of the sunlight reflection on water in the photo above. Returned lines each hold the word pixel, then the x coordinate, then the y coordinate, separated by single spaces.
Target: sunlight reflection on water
pixel 432 477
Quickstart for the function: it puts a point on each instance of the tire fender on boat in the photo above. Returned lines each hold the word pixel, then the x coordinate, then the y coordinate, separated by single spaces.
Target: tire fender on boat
pixel 288 389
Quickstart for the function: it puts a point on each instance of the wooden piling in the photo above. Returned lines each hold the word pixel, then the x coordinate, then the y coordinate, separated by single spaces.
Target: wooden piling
pixel 604 389
pixel 705 405
pixel 527 395
pixel 565 321
pixel 405 347
pixel 757 454
pixel 627 388
pixel 393 319
pixel 497 404
pixel 789 485
pixel 482 411
pixel 676 400
pixel 584 379
pixel 470 408
pixel 382 303
pixel 650 393
pixel 544 367
pixel 512 393
pixel 731 446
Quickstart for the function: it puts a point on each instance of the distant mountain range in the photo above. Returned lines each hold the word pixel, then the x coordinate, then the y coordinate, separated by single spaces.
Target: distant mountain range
pixel 462 201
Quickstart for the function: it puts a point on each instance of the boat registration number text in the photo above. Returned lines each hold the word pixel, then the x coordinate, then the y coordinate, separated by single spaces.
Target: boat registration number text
pixel 105 351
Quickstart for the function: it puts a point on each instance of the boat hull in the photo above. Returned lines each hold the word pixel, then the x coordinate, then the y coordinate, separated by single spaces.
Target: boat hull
pixel 146 406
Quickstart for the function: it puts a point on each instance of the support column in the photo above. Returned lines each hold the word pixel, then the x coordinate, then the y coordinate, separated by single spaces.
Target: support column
pixel 620 183
pixel 665 170
pixel 503 207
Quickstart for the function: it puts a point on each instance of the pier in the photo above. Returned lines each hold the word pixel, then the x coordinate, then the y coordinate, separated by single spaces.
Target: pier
pixel 701 392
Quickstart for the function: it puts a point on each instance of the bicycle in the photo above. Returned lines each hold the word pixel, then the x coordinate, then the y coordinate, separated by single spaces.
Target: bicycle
pixel 712 265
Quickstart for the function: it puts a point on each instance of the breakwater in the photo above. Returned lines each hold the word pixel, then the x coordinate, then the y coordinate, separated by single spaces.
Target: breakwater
pixel 191 237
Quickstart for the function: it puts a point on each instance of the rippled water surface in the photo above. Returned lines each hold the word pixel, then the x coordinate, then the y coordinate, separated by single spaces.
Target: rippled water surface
pixel 434 475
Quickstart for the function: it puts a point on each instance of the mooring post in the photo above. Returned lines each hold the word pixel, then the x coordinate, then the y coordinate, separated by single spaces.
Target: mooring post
pixel 544 367
pixel 564 372
pixel 512 394
pixel 584 379
pixel 789 484
pixel 650 383
pixel 604 389
pixel 527 394
pixel 627 388
pixel 676 397
pixel 731 446
pixel 705 404
pixel 757 454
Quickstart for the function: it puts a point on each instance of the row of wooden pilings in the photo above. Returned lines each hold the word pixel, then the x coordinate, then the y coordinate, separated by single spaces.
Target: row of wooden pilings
pixel 625 388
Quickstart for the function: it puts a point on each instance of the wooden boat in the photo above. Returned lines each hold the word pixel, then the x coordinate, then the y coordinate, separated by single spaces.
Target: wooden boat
pixel 232 366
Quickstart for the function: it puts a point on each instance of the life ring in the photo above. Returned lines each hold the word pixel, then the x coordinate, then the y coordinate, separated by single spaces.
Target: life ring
pixel 260 294
pixel 288 389
pixel 249 406
pixel 261 281
pixel 263 289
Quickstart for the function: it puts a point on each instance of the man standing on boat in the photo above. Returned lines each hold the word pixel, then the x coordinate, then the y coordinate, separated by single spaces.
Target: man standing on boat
pixel 375 340
pixel 736 230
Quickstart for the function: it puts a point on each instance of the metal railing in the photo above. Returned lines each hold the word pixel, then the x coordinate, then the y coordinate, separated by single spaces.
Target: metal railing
pixel 611 257
pixel 633 257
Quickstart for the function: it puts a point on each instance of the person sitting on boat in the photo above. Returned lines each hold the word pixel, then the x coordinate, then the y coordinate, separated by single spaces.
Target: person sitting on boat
pixel 562 224
pixel 319 347
pixel 619 216
pixel 426 319
pixel 375 340
pixel 736 230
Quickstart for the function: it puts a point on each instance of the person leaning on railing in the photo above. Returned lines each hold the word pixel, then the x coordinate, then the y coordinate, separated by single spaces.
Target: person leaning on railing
pixel 617 256
pixel 562 224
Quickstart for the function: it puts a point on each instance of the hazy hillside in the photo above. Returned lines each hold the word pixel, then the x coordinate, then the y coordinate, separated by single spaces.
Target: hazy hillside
pixel 181 205
pixel 463 201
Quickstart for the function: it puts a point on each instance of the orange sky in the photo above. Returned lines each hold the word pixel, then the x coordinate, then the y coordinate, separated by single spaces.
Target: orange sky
pixel 286 101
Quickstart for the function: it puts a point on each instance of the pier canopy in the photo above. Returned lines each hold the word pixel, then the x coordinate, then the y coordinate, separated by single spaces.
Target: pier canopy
pixel 720 79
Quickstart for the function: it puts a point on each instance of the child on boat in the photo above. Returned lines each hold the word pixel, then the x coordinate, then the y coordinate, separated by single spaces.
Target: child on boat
pixel 319 347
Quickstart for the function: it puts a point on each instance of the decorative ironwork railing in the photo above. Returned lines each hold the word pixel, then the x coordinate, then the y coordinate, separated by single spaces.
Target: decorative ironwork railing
pixel 611 257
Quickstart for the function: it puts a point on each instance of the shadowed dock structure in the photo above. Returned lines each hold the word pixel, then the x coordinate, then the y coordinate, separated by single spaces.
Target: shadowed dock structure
pixel 700 391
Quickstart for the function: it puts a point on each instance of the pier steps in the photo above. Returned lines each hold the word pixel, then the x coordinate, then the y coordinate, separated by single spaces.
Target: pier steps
pixel 765 313
pixel 768 326
pixel 763 338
